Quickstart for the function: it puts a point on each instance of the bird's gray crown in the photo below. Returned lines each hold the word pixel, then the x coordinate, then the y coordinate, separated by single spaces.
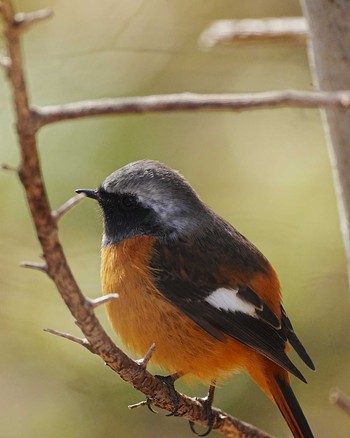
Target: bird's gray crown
pixel 149 179
pixel 160 188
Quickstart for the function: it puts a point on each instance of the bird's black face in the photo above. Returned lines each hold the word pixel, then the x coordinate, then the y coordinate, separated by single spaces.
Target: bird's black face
pixel 126 217
pixel 147 198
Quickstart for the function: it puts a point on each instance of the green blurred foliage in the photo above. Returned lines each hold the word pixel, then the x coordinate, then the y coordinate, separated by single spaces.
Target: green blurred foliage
pixel 267 172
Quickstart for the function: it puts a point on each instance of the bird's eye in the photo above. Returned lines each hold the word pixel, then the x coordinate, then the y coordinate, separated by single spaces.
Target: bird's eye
pixel 128 202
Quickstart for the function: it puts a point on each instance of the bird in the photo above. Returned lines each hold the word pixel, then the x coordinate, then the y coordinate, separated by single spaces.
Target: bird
pixel 194 286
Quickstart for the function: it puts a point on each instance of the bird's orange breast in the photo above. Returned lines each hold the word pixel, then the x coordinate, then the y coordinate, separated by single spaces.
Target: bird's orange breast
pixel 142 316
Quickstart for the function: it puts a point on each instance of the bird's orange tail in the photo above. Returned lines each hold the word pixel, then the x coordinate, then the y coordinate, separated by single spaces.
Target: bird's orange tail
pixel 274 381
pixel 287 403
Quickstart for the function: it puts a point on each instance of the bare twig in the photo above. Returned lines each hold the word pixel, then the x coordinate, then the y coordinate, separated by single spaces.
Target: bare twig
pixel 23 20
pixel 81 341
pixel 8 168
pixel 147 357
pixel 36 266
pixel 59 271
pixel 190 102
pixel 337 397
pixel 138 405
pixel 63 209
pixel 4 61
pixel 102 300
pixel 226 32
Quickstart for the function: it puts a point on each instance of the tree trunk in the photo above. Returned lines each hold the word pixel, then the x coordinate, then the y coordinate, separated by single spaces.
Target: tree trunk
pixel 329 54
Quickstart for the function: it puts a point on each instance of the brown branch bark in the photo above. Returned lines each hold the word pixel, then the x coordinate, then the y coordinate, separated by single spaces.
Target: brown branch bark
pixel 228 32
pixel 189 102
pixel 80 307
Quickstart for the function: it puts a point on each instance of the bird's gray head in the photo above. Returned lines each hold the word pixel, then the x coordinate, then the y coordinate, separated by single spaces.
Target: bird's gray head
pixel 147 198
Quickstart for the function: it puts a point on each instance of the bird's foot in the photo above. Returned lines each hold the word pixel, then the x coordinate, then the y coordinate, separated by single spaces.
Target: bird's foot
pixel 174 396
pixel 207 403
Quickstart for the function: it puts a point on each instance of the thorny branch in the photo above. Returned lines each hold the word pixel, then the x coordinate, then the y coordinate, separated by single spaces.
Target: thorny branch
pixel 82 309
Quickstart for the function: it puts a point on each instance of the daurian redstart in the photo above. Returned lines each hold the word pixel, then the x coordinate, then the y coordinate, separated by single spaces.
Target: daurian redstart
pixel 193 285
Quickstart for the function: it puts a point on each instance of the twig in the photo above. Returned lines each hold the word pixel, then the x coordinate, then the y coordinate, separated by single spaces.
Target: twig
pixel 138 405
pixel 36 266
pixel 23 20
pixel 337 397
pixel 189 102
pixel 226 32
pixel 5 62
pixel 101 300
pixel 147 357
pixel 8 168
pixel 81 341
pixel 63 209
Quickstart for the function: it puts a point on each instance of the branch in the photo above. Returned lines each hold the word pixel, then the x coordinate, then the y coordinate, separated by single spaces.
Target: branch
pixel 338 398
pixel 4 62
pixel 36 266
pixel 226 32
pixel 8 168
pixel 147 357
pixel 72 202
pixel 24 20
pixel 189 102
pixel 59 271
pixel 102 300
pixel 81 341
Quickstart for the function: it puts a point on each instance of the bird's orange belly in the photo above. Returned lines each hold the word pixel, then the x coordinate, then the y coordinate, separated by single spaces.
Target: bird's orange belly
pixel 141 316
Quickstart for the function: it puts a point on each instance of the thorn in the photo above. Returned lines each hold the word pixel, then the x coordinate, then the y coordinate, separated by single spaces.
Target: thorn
pixel 57 214
pixel 24 20
pixel 5 62
pixel 101 300
pixel 138 405
pixel 345 100
pixel 337 397
pixel 8 167
pixel 81 341
pixel 144 361
pixel 37 266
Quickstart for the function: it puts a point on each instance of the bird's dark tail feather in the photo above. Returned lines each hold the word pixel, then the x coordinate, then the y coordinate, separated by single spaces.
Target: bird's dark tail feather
pixel 288 405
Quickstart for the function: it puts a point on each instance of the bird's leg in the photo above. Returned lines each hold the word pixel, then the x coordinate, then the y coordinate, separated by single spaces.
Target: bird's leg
pixel 174 396
pixel 207 403
pixel 167 380
pixel 143 362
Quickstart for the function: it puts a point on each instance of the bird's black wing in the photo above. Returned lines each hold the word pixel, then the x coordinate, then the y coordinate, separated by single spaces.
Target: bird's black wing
pixel 188 280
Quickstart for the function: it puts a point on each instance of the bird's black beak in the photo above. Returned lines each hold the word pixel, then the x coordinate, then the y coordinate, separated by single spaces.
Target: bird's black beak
pixel 88 193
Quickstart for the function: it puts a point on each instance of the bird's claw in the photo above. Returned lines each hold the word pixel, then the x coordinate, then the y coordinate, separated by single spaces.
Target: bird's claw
pixel 207 403
pixel 150 405
pixel 169 382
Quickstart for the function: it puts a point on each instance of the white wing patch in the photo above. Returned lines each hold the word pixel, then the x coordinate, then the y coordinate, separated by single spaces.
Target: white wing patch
pixel 228 300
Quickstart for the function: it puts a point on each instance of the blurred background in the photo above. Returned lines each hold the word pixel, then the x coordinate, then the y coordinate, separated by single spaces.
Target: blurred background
pixel 267 172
